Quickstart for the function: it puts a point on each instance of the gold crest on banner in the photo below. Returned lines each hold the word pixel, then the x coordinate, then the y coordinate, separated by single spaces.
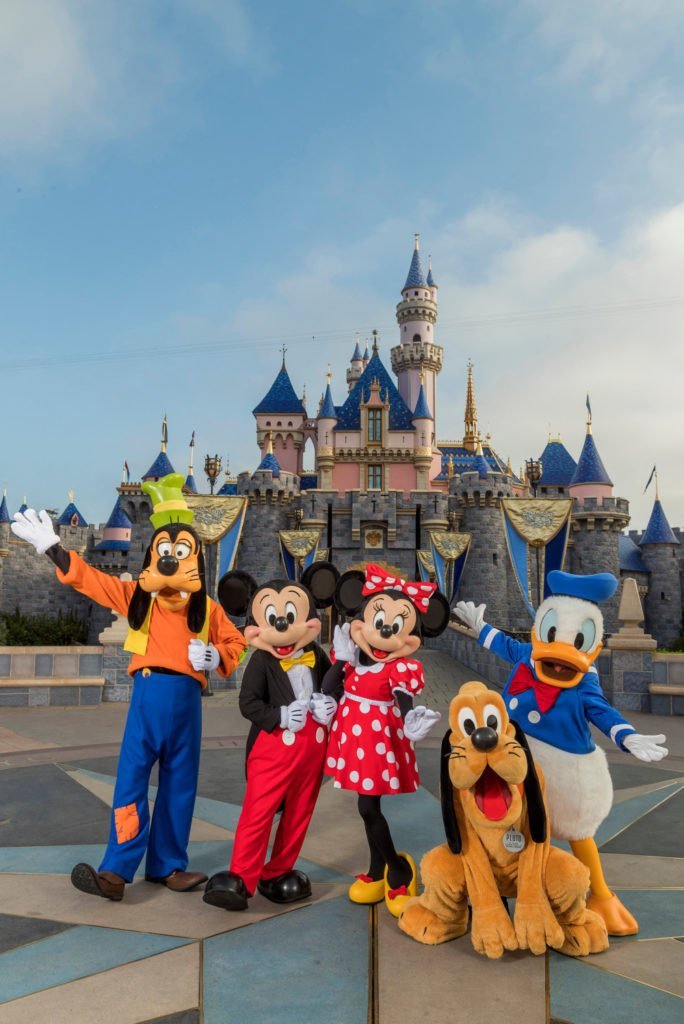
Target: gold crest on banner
pixel 426 561
pixel 299 543
pixel 214 514
pixel 537 520
pixel 450 545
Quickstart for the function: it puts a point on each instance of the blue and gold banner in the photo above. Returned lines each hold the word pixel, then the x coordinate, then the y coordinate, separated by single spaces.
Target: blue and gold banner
pixel 540 523
pixel 218 522
pixel 449 554
pixel 298 550
pixel 426 567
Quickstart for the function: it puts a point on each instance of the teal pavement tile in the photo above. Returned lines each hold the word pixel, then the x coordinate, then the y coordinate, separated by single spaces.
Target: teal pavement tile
pixel 588 995
pixel 660 913
pixel 305 967
pixel 624 814
pixel 73 954
pixel 415 820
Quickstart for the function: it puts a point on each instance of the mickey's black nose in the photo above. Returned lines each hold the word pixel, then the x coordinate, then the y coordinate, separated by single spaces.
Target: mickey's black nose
pixel 385 632
pixel 167 565
pixel 484 738
pixel 281 624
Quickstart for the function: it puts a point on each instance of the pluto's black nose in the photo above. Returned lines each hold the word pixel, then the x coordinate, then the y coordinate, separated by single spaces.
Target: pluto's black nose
pixel 484 738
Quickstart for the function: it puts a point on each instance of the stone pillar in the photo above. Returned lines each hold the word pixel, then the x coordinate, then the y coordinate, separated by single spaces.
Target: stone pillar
pixel 118 684
pixel 631 655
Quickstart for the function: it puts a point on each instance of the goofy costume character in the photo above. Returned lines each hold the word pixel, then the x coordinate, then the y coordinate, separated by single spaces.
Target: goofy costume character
pixel 177 634
pixel 554 694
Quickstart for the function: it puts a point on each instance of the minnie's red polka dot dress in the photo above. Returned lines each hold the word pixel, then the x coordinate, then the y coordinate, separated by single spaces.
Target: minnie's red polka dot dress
pixel 367 749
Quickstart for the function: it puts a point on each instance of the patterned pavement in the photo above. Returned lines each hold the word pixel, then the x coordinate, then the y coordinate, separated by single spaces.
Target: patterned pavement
pixel 165 957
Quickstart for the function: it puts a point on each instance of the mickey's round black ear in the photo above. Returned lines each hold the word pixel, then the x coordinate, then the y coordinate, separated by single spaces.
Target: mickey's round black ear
pixel 349 592
pixel 235 591
pixel 436 619
pixel 320 579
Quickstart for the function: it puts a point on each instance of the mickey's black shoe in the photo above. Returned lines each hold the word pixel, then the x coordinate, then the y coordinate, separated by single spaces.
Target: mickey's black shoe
pixel 287 888
pixel 226 890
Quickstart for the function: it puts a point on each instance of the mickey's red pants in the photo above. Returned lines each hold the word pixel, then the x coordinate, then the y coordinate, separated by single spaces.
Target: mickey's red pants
pixel 282 765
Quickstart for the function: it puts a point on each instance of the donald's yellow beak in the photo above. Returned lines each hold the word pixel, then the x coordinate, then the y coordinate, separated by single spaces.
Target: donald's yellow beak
pixel 561 664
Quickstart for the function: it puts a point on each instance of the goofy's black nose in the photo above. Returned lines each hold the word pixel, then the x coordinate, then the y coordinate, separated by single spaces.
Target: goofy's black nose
pixel 281 624
pixel 484 738
pixel 167 565
pixel 385 632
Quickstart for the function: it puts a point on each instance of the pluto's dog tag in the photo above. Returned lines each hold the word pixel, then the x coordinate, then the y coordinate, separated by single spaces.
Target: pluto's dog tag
pixel 514 841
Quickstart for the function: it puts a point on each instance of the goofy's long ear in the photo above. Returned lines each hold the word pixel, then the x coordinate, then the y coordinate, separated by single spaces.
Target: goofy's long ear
pixel 197 605
pixel 446 793
pixel 536 811
pixel 140 602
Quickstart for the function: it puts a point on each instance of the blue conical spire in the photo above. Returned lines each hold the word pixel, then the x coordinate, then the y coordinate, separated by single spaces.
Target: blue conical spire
pixel 658 530
pixel 328 411
pixel 590 469
pixel 416 278
pixel 431 283
pixel 4 512
pixel 422 410
pixel 281 396
pixel 357 352
pixel 118 519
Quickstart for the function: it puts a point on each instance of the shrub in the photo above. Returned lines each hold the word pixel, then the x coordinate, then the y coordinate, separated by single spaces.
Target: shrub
pixel 19 630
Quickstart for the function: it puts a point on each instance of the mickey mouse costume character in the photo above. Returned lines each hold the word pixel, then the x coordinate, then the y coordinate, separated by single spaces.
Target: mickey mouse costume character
pixel 177 633
pixel 375 678
pixel 281 696
pixel 554 694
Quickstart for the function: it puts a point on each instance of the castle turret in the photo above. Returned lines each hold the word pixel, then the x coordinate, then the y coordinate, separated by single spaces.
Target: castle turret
pixel 325 442
pixel 590 478
pixel 356 366
pixel 4 511
pixel 558 469
pixel 282 416
pixel 417 316
pixel 425 432
pixel 71 515
pixel 660 552
pixel 4 524
pixel 116 535
pixel 161 465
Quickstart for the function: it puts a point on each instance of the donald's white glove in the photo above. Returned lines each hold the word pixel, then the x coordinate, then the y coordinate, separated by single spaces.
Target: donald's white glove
pixel 293 716
pixel 344 647
pixel 203 657
pixel 323 708
pixel 419 721
pixel 646 747
pixel 471 614
pixel 35 528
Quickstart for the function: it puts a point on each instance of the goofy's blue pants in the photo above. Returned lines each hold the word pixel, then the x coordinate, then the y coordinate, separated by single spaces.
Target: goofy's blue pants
pixel 164 724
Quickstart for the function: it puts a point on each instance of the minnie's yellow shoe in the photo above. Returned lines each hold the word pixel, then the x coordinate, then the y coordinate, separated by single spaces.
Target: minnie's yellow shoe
pixel 396 899
pixel 367 890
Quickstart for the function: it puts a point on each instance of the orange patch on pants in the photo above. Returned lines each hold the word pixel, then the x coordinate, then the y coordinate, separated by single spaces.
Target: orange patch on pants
pixel 126 823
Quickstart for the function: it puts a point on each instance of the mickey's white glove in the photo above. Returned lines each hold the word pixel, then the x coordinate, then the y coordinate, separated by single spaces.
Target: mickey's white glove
pixel 323 708
pixel 344 647
pixel 646 747
pixel 203 657
pixel 293 716
pixel 471 614
pixel 419 721
pixel 36 528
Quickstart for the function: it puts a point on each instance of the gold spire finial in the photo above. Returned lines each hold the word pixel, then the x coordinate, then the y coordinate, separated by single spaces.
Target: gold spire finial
pixel 470 436
pixel 71 495
pixel 328 375
pixel 416 242
pixel 450 466
pixel 375 341
pixel 655 473
pixel 191 461
pixel 269 443
pixel 422 374
pixel 304 396
pixel 165 434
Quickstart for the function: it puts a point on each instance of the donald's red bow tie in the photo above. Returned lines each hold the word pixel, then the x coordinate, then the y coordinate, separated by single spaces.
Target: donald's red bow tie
pixel 378 580
pixel 525 679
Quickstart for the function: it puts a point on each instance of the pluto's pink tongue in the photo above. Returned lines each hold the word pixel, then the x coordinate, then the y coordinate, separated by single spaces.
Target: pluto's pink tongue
pixel 492 795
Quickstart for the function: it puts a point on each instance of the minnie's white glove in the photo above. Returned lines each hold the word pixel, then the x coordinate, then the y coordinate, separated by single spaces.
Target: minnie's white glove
pixel 471 614
pixel 344 647
pixel 35 528
pixel 323 708
pixel 203 657
pixel 646 747
pixel 419 721
pixel 293 716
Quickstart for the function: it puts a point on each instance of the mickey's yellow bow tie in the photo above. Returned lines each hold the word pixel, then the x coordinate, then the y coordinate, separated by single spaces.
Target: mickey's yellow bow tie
pixel 309 658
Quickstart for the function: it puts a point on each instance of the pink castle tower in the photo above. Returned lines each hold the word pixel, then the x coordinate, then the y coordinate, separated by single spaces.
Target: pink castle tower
pixel 281 417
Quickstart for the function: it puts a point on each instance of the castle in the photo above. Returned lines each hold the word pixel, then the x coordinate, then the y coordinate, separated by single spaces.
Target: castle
pixel 384 488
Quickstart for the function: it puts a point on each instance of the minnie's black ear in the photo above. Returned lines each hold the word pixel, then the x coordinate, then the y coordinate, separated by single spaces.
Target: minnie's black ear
pixel 138 607
pixel 536 812
pixel 320 579
pixel 348 592
pixel 235 591
pixel 446 794
pixel 436 619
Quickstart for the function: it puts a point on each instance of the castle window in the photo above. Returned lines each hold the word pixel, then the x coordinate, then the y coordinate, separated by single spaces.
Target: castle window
pixel 662 595
pixel 415 293
pixel 375 425
pixel 561 490
pixel 416 337
pixel 375 478
pixel 495 558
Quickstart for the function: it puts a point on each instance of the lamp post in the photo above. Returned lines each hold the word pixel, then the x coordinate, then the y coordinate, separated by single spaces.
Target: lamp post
pixel 212 468
pixel 533 472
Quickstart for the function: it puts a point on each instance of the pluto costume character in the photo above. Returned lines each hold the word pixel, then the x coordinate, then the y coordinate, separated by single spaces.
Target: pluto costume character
pixel 176 634
pixel 553 693
pixel 498 846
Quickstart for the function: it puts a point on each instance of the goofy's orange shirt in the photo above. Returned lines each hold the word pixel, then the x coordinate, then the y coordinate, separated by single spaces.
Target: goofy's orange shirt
pixel 169 634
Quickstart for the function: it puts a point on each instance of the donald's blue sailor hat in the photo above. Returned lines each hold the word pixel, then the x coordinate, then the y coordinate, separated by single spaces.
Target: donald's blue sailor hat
pixel 596 588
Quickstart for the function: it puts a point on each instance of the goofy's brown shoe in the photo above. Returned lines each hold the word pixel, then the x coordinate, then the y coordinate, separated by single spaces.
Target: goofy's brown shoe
pixel 180 881
pixel 98 883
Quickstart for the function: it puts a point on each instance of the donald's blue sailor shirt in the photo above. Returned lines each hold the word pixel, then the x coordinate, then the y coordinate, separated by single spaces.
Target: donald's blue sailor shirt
pixel 566 724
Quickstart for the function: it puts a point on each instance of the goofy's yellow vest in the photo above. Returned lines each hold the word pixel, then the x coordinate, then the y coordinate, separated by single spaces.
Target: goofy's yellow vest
pixel 137 639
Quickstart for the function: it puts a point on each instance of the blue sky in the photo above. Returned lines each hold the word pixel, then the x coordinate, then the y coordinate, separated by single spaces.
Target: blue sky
pixel 187 184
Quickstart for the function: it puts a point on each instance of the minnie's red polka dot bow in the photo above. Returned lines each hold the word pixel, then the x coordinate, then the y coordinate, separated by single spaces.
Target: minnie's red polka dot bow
pixel 378 580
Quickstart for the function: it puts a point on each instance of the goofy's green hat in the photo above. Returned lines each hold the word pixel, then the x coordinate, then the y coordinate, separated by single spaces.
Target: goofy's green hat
pixel 169 504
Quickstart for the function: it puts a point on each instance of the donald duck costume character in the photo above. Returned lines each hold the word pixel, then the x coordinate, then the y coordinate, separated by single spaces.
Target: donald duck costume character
pixel 554 694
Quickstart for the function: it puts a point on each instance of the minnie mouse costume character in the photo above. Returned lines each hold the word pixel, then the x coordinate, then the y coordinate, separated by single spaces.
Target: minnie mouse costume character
pixel 281 696
pixel 375 679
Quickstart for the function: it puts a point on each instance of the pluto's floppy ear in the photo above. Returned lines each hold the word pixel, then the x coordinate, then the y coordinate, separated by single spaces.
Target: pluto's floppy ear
pixel 320 579
pixel 446 793
pixel 536 812
pixel 139 604
pixel 235 591
pixel 349 592
pixel 436 619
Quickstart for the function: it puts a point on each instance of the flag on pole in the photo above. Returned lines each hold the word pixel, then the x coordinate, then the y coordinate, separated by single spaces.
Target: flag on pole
pixel 653 473
pixel 126 473
pixel 588 406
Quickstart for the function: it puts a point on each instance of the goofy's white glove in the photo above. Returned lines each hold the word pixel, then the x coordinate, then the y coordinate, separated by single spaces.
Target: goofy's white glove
pixel 646 747
pixel 203 657
pixel 36 528
pixel 323 708
pixel 419 721
pixel 344 647
pixel 470 614
pixel 293 716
